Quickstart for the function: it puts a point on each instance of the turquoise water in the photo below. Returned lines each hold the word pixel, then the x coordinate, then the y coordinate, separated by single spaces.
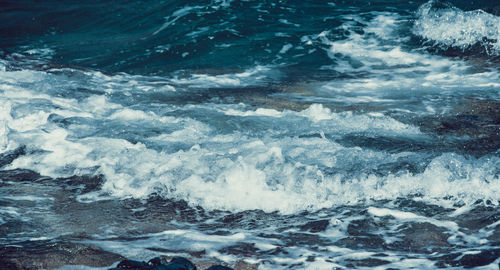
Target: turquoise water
pixel 289 134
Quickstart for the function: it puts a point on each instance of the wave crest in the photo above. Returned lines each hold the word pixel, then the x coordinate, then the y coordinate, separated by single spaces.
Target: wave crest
pixel 446 26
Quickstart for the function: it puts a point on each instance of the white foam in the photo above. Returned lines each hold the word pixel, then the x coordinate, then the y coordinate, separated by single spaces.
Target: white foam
pixel 84 267
pixel 29 122
pixel 238 173
pixel 411 217
pixel 193 131
pixel 345 121
pixel 371 53
pixel 129 114
pixel 257 112
pixel 386 66
pixel 363 122
pixel 411 263
pixel 453 27
pixel 27 198
pixel 189 240
pixel 63 154
pixel 207 163
pixel 98 104
pixel 46 53
pixel 5 117
pixel 243 184
pixel 253 76
pixel 383 25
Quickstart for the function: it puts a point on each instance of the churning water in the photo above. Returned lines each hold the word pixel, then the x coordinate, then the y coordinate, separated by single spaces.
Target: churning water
pixel 286 134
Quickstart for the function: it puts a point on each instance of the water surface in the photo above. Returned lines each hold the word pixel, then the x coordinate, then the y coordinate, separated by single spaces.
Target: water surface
pixel 287 134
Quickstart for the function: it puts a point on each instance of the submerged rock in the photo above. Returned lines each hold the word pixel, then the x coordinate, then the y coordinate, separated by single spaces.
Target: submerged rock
pixel 50 255
pixel 218 267
pixel 160 263
pixel 316 226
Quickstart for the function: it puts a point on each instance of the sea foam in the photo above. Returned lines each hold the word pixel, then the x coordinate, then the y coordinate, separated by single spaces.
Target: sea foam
pixel 451 27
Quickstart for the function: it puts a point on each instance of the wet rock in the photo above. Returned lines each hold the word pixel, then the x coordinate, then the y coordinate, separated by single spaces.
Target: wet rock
pixel 356 242
pixel 478 218
pixel 423 237
pixel 50 255
pixel 484 257
pixel 305 239
pixel 481 258
pixel 369 262
pixel 315 226
pixel 20 175
pixel 245 266
pixel 158 261
pixel 477 119
pixel 130 264
pixel 161 263
pixel 363 227
pixel 9 156
pixel 245 249
pixel 218 267
pixel 179 263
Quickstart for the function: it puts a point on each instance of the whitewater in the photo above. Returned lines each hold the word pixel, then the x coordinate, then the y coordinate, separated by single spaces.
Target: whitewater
pixel 278 135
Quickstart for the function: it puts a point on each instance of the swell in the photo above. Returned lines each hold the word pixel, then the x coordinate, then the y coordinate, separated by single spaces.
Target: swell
pixel 159 38
pixel 151 37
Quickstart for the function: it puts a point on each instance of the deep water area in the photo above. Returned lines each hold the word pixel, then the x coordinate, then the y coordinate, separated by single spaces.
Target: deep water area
pixel 251 134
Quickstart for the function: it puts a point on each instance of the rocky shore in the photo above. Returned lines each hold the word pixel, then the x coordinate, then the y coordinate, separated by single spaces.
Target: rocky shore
pixel 46 255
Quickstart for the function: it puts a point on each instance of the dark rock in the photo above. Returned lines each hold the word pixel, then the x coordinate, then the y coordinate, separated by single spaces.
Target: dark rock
pixel 129 264
pixel 219 267
pixel 364 227
pixel 180 263
pixel 20 175
pixel 478 119
pixel 176 263
pixel 366 241
pixel 478 218
pixel 159 263
pixel 245 249
pixel 423 237
pixel 50 255
pixel 369 262
pixel 485 257
pixel 457 259
pixel 315 226
pixel 9 156
pixel 245 266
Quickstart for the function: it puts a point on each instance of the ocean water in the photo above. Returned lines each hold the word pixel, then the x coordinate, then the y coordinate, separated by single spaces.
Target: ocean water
pixel 286 134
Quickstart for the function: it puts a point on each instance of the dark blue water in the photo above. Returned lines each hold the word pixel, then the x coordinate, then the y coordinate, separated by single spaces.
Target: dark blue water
pixel 284 134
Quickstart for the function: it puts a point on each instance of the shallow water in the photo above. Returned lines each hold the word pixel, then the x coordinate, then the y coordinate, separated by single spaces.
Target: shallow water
pixel 283 134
